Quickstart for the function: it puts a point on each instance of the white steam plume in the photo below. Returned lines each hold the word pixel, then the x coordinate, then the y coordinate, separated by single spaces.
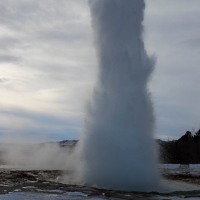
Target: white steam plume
pixel 117 148
pixel 44 156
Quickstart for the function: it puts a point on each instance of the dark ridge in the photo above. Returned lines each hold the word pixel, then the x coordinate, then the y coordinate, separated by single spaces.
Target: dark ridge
pixel 185 150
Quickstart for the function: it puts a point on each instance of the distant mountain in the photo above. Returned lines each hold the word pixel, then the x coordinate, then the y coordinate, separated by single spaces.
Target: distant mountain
pixel 68 143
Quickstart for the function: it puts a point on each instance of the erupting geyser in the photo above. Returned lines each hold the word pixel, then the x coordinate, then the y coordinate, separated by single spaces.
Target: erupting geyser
pixel 117 148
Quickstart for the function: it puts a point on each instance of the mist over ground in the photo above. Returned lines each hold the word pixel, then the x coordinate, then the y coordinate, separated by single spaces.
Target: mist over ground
pixel 46 156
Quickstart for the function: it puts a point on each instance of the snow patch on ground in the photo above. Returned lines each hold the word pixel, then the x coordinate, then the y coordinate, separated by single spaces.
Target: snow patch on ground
pixel 45 196
pixel 39 196
pixel 177 166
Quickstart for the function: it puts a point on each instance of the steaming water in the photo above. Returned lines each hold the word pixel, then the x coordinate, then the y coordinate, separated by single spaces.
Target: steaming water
pixel 117 146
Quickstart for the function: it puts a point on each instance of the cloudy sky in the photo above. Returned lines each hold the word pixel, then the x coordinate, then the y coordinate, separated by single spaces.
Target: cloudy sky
pixel 48 67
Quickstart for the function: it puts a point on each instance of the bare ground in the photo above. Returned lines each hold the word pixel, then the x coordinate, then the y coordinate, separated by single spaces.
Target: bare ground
pixel 44 181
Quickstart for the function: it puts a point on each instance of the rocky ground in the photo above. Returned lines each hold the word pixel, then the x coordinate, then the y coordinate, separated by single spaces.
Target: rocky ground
pixel 46 182
pixel 189 178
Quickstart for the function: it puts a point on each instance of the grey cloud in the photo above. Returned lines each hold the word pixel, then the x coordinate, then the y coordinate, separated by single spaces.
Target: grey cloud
pixel 42 125
pixel 6 43
pixel 8 58
pixel 62 72
pixel 172 33
pixel 40 117
pixel 51 132
pixel 2 130
pixel 66 37
pixel 174 123
pixel 2 80
pixel 14 14
pixel 173 28
pixel 42 39
pixel 36 13
pixel 172 20
pixel 192 42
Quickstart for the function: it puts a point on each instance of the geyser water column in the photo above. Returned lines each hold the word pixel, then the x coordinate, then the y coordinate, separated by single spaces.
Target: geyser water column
pixel 117 148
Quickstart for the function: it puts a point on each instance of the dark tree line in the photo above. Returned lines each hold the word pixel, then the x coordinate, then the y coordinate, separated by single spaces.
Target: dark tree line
pixel 185 150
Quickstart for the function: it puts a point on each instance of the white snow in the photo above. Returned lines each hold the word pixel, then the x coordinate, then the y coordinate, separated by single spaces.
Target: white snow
pixel 176 166
pixel 39 196
pixel 77 194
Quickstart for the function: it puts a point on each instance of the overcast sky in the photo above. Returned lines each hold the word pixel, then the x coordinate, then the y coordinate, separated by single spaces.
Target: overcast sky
pixel 48 67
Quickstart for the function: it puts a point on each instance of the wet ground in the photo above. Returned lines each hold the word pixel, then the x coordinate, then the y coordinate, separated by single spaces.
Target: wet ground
pixel 43 184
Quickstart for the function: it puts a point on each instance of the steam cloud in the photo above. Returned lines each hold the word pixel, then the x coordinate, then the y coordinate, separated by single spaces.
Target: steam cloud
pixel 46 156
pixel 117 148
